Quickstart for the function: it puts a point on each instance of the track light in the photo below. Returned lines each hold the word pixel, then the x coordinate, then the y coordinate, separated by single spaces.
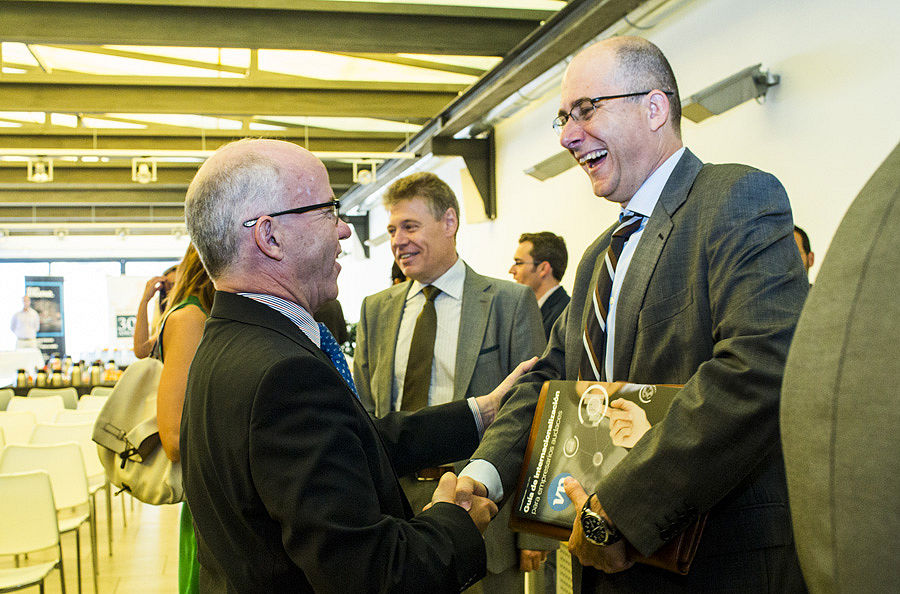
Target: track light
pixel 750 83
pixel 40 170
pixel 143 171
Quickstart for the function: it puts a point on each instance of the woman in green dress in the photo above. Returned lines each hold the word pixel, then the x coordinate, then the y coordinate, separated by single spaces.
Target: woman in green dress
pixel 180 332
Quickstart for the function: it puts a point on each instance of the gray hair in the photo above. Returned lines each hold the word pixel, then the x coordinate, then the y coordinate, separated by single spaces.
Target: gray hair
pixel 224 193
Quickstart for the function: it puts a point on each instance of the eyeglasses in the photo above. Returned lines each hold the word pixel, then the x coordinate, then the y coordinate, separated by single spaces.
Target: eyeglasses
pixel 333 213
pixel 584 109
pixel 521 263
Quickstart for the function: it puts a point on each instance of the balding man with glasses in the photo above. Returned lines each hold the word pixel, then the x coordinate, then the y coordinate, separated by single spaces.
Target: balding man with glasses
pixel 292 485
pixel 698 283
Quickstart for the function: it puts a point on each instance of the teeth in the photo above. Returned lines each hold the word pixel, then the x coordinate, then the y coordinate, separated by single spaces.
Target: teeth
pixel 598 154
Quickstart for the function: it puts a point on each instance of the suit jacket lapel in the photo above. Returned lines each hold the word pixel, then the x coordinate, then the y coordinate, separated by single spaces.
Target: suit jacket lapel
pixel 643 262
pixel 473 318
pixel 389 315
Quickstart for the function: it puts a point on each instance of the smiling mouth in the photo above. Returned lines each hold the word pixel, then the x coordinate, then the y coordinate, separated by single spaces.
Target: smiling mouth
pixel 593 158
pixel 404 257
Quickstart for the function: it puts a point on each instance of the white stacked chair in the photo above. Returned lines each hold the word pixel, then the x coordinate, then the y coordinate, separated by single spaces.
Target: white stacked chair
pixel 80 433
pixel 76 416
pixel 68 394
pixel 28 525
pixel 65 465
pixel 92 401
pixel 5 395
pixel 17 425
pixel 101 391
pixel 43 408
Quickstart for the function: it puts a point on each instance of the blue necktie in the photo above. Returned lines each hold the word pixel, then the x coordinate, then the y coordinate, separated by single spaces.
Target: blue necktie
pixel 333 350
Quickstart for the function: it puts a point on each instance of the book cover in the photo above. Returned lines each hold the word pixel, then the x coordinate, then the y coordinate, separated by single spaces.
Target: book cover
pixel 571 436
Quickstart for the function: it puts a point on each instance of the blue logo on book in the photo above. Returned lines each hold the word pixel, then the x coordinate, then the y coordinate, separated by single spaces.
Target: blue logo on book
pixel 557 493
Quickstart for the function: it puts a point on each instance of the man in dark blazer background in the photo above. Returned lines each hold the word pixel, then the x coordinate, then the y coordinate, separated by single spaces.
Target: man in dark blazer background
pixel 540 262
pixel 706 292
pixel 292 484
pixel 484 328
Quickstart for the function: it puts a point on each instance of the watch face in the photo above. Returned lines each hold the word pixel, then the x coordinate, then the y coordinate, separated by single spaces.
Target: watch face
pixel 594 527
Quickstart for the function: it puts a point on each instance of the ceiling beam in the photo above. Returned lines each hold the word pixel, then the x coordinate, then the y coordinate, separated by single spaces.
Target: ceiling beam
pixel 260 80
pixel 78 183
pixel 71 140
pixel 90 99
pixel 417 62
pixel 363 6
pixel 367 30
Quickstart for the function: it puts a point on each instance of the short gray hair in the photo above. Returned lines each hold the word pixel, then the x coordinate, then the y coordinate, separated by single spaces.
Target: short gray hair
pixel 223 195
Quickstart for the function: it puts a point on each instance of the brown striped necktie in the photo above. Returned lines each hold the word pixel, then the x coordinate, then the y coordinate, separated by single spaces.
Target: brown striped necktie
pixel 421 354
pixel 594 336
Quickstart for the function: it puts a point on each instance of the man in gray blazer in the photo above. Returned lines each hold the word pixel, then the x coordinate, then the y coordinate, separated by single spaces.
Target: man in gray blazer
pixel 840 409
pixel 705 291
pixel 484 328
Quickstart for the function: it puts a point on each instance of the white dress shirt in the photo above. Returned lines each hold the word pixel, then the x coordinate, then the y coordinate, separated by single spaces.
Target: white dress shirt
pixel 25 324
pixel 448 305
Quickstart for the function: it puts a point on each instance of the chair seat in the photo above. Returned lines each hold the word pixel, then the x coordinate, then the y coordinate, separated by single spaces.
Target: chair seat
pixel 20 577
pixel 72 523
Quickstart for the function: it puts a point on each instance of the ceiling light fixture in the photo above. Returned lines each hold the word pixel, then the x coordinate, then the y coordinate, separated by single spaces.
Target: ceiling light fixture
pixel 750 83
pixel 143 171
pixel 40 170
pixel 365 176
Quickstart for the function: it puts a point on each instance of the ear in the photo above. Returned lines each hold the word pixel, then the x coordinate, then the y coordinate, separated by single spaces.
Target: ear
pixel 659 109
pixel 810 258
pixel 450 222
pixel 267 240
pixel 544 269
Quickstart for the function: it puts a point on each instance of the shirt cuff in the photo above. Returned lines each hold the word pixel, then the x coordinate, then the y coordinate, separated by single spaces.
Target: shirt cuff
pixel 476 412
pixel 485 473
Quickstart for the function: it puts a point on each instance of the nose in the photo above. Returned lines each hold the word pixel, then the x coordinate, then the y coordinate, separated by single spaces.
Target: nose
pixel 343 230
pixel 512 270
pixel 571 134
pixel 397 239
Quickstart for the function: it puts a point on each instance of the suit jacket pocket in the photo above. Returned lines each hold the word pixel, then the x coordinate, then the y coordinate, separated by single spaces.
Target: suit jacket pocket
pixel 665 309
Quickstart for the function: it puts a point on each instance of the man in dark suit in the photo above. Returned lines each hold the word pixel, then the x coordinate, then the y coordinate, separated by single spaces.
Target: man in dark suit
pixel 484 328
pixel 292 485
pixel 703 287
pixel 540 262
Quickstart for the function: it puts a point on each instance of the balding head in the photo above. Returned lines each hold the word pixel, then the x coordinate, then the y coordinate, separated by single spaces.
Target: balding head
pixel 240 181
pixel 619 114
pixel 634 63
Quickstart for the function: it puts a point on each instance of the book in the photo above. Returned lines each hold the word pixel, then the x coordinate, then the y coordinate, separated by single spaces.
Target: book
pixel 570 436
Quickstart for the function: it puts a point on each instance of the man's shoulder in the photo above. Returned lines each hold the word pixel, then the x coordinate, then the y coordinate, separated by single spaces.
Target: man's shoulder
pixel 496 285
pixel 387 294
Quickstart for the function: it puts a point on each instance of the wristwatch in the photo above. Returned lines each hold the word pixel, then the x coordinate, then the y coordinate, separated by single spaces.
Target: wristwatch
pixel 596 528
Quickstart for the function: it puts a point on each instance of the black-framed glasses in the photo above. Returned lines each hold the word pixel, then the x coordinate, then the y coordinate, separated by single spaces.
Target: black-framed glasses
pixel 584 109
pixel 334 205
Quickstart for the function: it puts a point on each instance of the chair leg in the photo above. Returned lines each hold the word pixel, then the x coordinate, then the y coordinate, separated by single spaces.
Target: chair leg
pixel 124 519
pixel 62 574
pixel 109 525
pixel 93 526
pixel 78 556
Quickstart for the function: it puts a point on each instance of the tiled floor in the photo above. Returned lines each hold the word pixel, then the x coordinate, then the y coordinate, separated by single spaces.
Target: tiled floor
pixel 145 553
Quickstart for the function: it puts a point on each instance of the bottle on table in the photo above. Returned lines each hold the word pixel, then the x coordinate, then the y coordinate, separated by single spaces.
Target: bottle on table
pixel 21 379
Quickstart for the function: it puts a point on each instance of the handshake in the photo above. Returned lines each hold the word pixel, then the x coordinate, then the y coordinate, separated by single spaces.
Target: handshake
pixel 469 495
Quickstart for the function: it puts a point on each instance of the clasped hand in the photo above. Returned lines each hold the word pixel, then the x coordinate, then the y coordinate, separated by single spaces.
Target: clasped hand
pixel 480 508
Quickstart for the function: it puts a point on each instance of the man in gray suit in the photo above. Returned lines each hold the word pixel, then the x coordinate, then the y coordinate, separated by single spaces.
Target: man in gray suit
pixel 703 287
pixel 484 328
pixel 840 409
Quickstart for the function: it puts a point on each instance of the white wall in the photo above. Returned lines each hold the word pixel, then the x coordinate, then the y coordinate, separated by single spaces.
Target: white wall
pixel 823 131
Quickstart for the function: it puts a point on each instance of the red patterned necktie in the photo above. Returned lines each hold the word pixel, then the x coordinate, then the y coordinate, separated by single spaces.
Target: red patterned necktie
pixel 594 337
